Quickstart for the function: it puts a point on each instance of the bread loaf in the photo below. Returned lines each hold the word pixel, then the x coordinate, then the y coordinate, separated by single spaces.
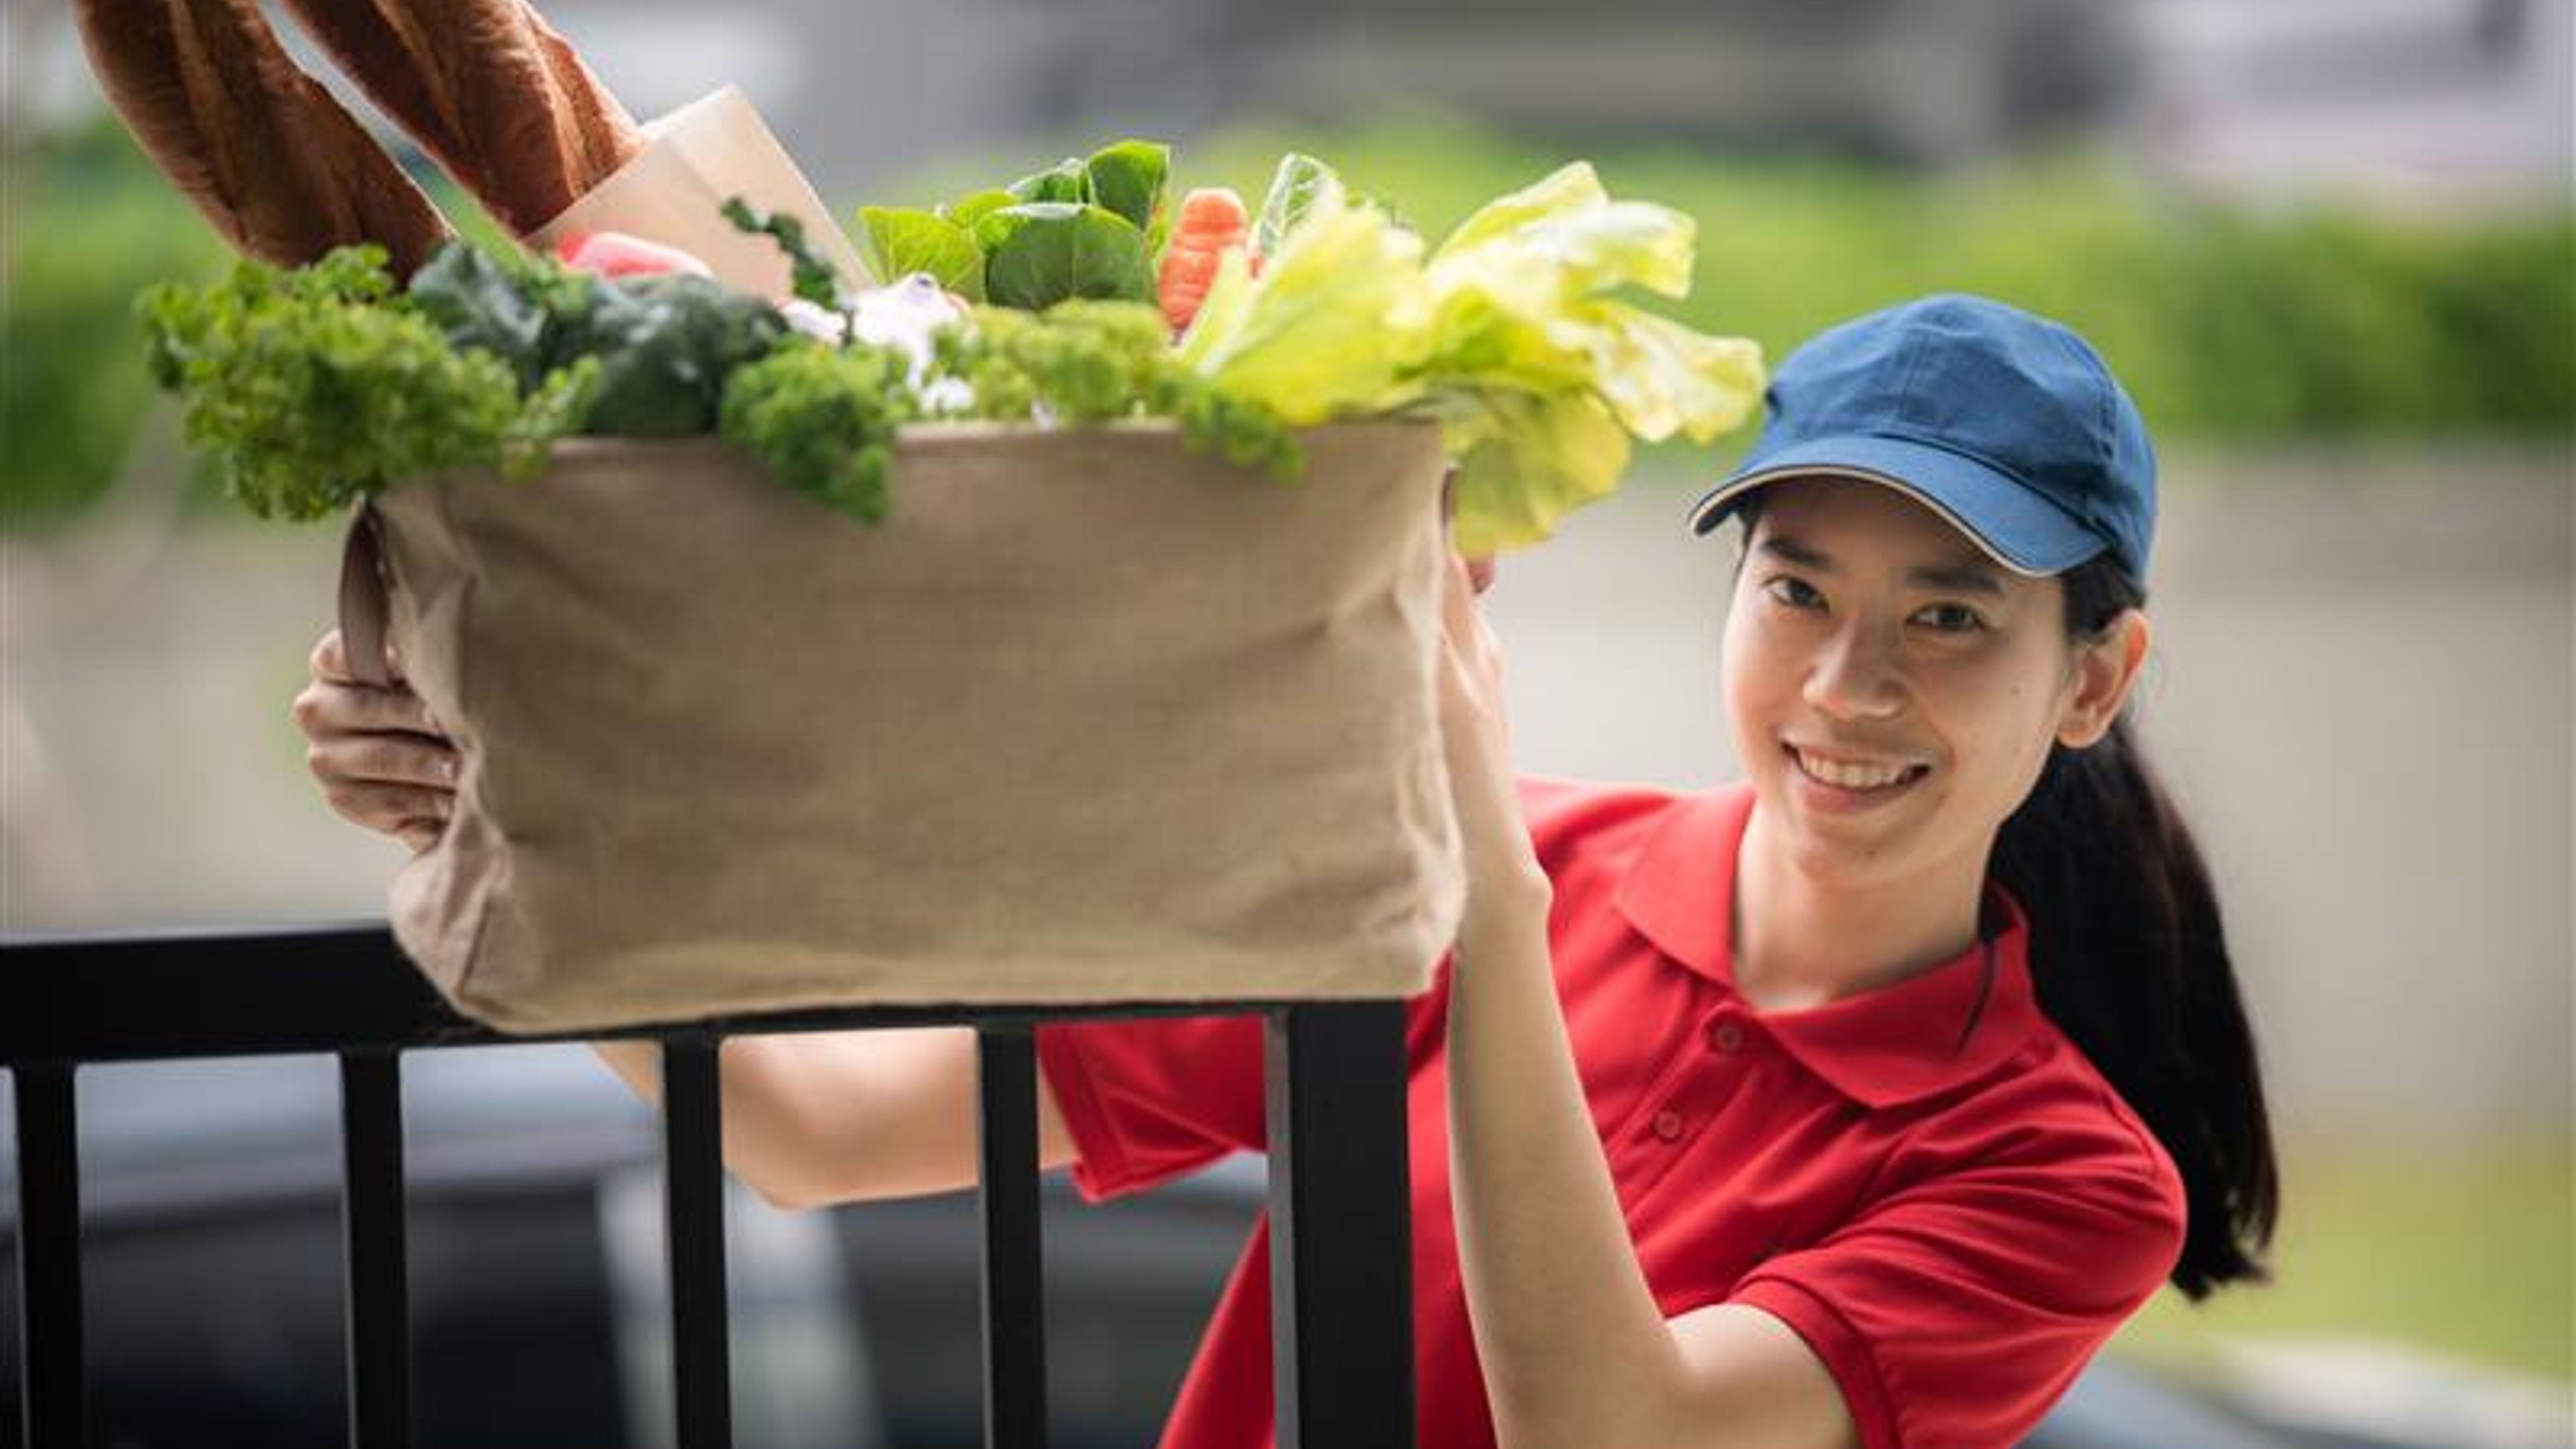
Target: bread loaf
pixel 487 88
pixel 280 169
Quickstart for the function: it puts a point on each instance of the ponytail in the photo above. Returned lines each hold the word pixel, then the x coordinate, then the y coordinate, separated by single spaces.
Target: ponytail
pixel 2129 959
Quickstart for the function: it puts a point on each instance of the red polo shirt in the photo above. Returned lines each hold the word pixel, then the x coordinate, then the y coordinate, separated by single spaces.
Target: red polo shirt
pixel 1927 1181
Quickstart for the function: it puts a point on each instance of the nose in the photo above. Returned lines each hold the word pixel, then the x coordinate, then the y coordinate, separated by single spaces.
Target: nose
pixel 1857 675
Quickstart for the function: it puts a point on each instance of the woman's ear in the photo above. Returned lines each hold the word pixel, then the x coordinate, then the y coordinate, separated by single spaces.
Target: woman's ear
pixel 2106 669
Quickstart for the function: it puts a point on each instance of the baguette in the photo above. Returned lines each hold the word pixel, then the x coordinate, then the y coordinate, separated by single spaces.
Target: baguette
pixel 489 89
pixel 275 164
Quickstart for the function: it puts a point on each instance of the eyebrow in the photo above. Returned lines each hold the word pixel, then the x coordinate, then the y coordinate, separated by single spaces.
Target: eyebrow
pixel 1968 576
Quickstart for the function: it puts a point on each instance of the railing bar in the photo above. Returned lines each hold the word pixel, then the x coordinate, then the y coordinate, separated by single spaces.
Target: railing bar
pixel 338 988
pixel 693 1177
pixel 373 1233
pixel 53 1391
pixel 1341 1255
pixel 1006 1131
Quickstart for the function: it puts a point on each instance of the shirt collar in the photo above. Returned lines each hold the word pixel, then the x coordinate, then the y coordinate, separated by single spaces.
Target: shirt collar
pixel 1934 1031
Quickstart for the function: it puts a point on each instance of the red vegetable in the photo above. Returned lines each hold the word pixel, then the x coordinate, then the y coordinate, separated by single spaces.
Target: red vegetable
pixel 616 254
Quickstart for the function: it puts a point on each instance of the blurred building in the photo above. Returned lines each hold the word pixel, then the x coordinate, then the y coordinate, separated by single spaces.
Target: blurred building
pixel 2455 101
pixel 866 87
pixel 2442 102
pixel 2431 104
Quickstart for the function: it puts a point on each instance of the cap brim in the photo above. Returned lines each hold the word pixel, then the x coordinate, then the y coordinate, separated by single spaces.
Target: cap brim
pixel 2009 520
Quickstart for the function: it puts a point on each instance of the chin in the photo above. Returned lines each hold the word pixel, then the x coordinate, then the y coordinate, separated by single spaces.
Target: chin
pixel 1840 852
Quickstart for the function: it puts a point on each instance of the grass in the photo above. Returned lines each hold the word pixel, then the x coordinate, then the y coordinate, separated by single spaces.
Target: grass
pixel 2469 1252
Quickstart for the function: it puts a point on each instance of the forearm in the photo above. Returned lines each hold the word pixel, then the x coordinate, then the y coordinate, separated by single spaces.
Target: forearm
pixel 814 1118
pixel 1574 1348
pixel 763 1139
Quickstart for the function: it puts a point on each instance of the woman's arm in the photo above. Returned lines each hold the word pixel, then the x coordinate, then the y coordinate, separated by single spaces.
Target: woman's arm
pixel 1576 1352
pixel 809 1118
pixel 816 1118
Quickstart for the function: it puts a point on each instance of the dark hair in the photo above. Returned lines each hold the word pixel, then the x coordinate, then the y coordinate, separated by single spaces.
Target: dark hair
pixel 2130 960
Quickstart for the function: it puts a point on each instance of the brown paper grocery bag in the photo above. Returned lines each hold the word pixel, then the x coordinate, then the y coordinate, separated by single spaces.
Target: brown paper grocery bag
pixel 1090 718
pixel 674 191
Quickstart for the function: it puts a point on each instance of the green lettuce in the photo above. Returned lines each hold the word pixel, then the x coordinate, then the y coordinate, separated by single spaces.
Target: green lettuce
pixel 1517 333
pixel 1079 229
pixel 1525 460
pixel 1328 329
pixel 901 241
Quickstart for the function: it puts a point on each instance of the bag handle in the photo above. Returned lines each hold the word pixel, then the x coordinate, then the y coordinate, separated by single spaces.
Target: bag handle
pixel 364 606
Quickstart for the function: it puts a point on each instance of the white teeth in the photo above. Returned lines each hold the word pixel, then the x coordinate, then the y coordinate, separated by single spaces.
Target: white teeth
pixel 1851 776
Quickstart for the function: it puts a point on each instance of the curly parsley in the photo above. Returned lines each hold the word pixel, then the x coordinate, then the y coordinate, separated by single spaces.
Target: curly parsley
pixel 1093 361
pixel 316 387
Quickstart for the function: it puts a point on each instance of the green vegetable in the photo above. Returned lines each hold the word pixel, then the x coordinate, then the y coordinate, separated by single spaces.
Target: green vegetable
pixel 1526 335
pixel 1041 253
pixel 1130 178
pixel 1522 318
pixel 1065 181
pixel 974 206
pixel 1330 329
pixel 1079 229
pixel 1293 189
pixel 316 387
pixel 823 419
pixel 812 277
pixel 507 305
pixel 1526 459
pixel 663 343
pixel 665 346
pixel 901 241
pixel 1095 361
pixel 1511 334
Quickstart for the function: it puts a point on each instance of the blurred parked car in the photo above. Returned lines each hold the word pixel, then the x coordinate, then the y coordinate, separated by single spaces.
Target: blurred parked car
pixel 212 1266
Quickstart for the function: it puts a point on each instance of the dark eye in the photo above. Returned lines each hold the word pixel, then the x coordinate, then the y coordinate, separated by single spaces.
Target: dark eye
pixel 1794 592
pixel 1951 618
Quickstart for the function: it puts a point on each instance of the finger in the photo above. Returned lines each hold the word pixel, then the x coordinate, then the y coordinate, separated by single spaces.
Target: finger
pixel 397 708
pixel 387 759
pixel 420 835
pixel 330 660
pixel 323 708
pixel 388 809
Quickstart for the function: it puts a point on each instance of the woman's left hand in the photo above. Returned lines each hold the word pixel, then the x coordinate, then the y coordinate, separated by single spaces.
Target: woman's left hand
pixel 1501 866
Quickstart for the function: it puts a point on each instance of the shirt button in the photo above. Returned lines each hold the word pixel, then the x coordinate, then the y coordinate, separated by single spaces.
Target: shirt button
pixel 1668 1125
pixel 1726 1037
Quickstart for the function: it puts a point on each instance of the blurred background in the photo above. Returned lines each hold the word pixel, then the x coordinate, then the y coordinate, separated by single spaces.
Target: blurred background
pixel 2329 244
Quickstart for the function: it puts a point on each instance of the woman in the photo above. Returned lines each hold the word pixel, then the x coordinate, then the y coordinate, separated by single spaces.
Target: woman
pixel 1854 1105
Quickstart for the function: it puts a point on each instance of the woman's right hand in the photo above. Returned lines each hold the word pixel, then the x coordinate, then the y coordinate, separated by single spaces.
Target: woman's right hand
pixel 379 753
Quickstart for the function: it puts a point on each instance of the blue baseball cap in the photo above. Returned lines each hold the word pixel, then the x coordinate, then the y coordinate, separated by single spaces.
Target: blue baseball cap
pixel 2007 424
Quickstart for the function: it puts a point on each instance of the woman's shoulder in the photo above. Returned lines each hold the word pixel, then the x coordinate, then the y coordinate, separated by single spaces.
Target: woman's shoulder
pixel 2049 1116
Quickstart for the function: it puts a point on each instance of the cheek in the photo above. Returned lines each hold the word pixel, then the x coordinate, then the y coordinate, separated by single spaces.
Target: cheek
pixel 1749 664
pixel 2016 718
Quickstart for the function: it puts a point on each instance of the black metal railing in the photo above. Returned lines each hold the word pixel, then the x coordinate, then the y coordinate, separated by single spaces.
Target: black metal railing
pixel 1340 1248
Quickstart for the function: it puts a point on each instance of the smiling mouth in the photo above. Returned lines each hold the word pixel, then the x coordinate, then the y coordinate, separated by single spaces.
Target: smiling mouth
pixel 1857 776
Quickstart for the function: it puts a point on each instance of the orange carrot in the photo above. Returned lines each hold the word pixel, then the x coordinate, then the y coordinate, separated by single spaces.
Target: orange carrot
pixel 1212 219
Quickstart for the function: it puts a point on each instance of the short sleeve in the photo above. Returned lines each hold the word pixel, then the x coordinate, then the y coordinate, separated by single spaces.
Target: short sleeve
pixel 1152 1098
pixel 1955 1313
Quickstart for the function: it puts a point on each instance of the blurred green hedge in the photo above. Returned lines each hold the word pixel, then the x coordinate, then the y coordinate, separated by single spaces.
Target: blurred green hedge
pixel 2229 325
pixel 90 224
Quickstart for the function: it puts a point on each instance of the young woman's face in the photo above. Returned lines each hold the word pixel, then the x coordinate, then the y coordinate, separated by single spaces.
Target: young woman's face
pixel 1893 692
